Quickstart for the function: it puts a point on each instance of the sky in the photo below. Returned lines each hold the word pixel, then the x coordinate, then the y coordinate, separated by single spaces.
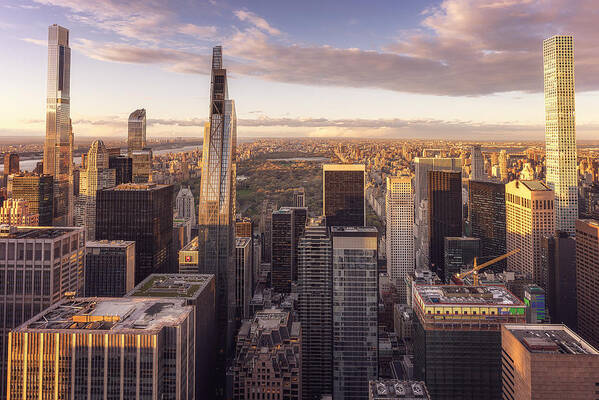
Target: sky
pixel 455 69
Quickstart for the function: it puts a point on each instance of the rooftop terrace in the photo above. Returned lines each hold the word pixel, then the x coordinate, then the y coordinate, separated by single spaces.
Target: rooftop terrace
pixel 172 285
pixel 438 295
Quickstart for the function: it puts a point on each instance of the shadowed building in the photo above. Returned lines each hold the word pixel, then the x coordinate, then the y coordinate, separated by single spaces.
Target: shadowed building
pixel 288 225
pixel 109 268
pixel 343 194
pixel 587 279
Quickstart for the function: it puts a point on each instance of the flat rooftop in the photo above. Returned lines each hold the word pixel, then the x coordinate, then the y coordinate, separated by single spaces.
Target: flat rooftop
pixel 535 185
pixel 396 389
pixel 110 243
pixel 344 167
pixel 119 315
pixel 35 232
pixel 136 186
pixel 353 229
pixel 438 295
pixel 193 245
pixel 550 339
pixel 270 319
pixel 242 241
pixel 172 285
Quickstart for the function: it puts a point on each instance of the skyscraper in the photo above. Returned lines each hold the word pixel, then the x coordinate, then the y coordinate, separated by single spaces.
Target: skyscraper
pixel 288 225
pixel 109 268
pixel 123 167
pixel 11 165
pixel 315 309
pixel 445 214
pixel 37 190
pixel 243 276
pixel 560 129
pixel 136 139
pixel 587 278
pixel 529 218
pixel 299 197
pixel 18 213
pixel 343 201
pixel 355 311
pixel 477 164
pixel 268 207
pixel 58 146
pixel 503 166
pixel 459 253
pixel 216 216
pixel 399 205
pixel 185 205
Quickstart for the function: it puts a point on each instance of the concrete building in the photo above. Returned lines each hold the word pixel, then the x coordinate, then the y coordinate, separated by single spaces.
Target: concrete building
pixel 529 218
pixel 109 268
pixel 343 202
pixel 399 206
pixel 17 212
pixel 136 131
pixel 137 348
pixel 547 362
pixel 560 129
pixel 198 291
pixel 37 190
pixel 244 272
pixel 587 279
pixel 141 166
pixel 39 266
pixel 288 225
pixel 503 171
pixel 299 197
pixel 185 205
pixel 459 253
pixel 11 165
pixel 457 339
pixel 268 358
pixel 355 306
pixel 393 389
pixel 477 164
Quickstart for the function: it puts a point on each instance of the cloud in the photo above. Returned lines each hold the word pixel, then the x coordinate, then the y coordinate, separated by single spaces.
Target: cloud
pixel 257 21
pixel 38 42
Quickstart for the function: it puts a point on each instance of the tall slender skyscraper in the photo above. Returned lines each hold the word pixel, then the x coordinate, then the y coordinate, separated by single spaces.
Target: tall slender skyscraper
pixel 477 164
pixel 58 147
pixel 136 139
pixel 560 129
pixel 216 216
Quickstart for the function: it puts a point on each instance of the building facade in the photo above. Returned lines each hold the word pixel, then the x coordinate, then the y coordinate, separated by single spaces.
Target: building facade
pixel 123 168
pixel 587 279
pixel 477 164
pixel 268 207
pixel 18 212
pixel 244 272
pixel 393 389
pixel 288 225
pixel 459 253
pixel 343 201
pixel 38 191
pixel 185 205
pixel 11 165
pixel 136 131
pixel 109 268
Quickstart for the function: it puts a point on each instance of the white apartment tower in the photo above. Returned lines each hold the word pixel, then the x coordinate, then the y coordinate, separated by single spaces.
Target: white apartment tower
pixel 399 205
pixel 560 129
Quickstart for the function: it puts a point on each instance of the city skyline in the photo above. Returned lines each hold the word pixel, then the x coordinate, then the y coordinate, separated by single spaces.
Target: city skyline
pixel 439 73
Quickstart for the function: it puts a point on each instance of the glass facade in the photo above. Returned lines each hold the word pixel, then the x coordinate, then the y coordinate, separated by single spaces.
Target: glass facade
pixel 343 195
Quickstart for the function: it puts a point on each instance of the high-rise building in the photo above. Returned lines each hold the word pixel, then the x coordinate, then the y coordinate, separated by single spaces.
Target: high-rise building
pixel 58 146
pixel 189 257
pixel 459 253
pixel 477 164
pixel 541 362
pixel 185 205
pixel 315 308
pixel 445 214
pixel 18 212
pixel 216 207
pixel 11 165
pixel 123 167
pixel 393 389
pixel 399 206
pixel 37 190
pixel 457 338
pixel 243 276
pixel 142 213
pixel 529 218
pixel 141 166
pixel 109 268
pixel 536 306
pixel 111 347
pixel 503 172
pixel 560 129
pixel 343 202
pixel 198 291
pixel 355 310
pixel 421 203
pixel 299 197
pixel 558 257
pixel 486 214
pixel 268 357
pixel 268 207
pixel 39 266
pixel 288 225
pixel 244 227
pixel 587 279
pixel 136 139
pixel 96 176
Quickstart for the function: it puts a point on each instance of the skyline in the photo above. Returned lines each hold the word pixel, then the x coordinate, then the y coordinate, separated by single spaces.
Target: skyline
pixel 438 72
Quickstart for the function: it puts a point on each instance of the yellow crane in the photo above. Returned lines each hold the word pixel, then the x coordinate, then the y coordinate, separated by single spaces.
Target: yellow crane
pixel 476 268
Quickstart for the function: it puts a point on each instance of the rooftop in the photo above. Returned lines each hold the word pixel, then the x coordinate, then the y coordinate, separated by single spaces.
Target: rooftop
pixel 395 389
pixel 110 243
pixel 138 114
pixel 136 186
pixel 172 285
pixel 119 315
pixel 344 167
pixel 437 295
pixel 353 229
pixel 535 185
pixel 242 241
pixel 193 245
pixel 35 232
pixel 551 339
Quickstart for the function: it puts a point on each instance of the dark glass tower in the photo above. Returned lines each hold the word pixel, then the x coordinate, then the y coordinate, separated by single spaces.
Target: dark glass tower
pixel 343 194
pixel 109 268
pixel 445 214
pixel 123 167
pixel 288 225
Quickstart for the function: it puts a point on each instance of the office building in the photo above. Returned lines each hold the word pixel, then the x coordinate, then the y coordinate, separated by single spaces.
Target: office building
pixel 547 362
pixel 58 145
pixel 445 214
pixel 136 129
pixel 457 339
pixel 355 306
pixel 268 207
pixel 587 279
pixel 123 168
pixel 268 357
pixel 181 233
pixel 299 197
pixel 560 129
pixel 244 227
pixel 185 205
pixel 558 257
pixel 529 218
pixel 189 257
pixel 288 225
pixel 477 164
pixel 421 203
pixel 18 212
pixel 536 306
pixel 503 171
pixel 393 389
pixel 109 268
pixel 39 266
pixel 11 165
pixel 244 271
pixel 96 176
pixel 111 347
pixel 198 291
pixel 315 309
pixel 399 206
pixel 486 215
pixel 459 253
pixel 141 166
pixel 142 213
pixel 343 201
pixel 37 190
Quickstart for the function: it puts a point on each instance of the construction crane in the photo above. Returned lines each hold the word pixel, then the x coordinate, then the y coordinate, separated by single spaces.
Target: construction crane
pixel 476 268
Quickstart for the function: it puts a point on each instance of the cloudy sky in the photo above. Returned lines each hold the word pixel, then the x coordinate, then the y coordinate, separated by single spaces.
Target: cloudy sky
pixel 387 68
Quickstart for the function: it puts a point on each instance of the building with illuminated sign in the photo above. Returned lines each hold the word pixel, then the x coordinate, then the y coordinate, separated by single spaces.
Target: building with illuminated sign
pixel 189 257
